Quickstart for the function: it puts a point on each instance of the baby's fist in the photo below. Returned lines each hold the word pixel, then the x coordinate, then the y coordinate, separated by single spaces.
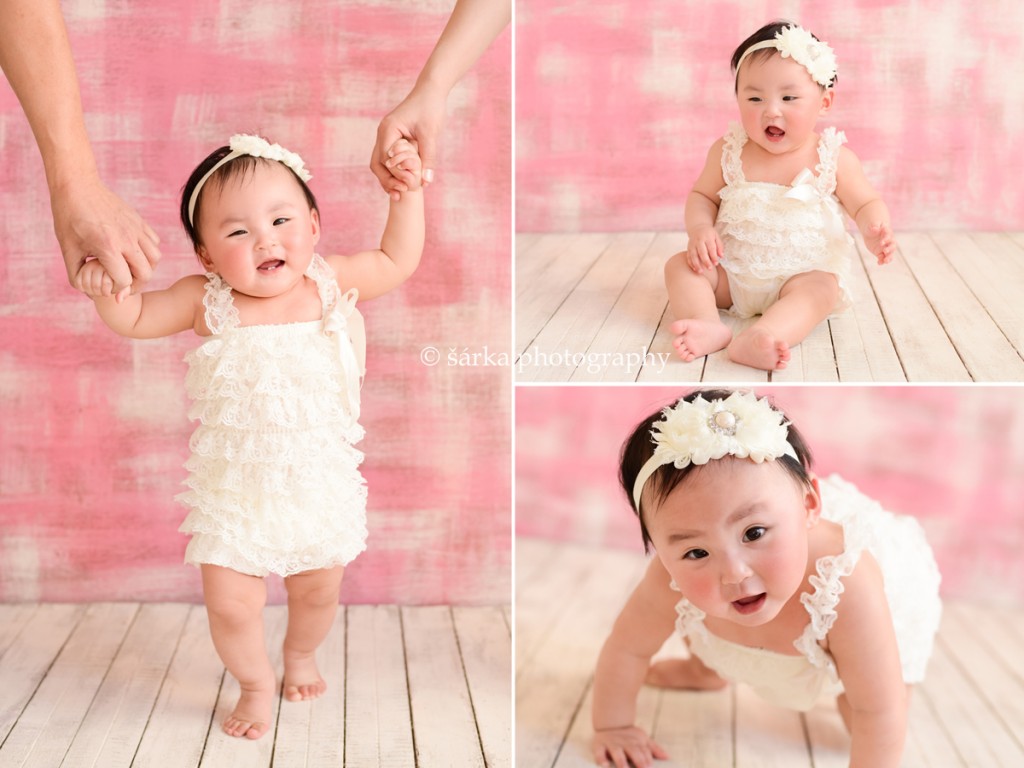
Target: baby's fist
pixel 405 164
pixel 880 242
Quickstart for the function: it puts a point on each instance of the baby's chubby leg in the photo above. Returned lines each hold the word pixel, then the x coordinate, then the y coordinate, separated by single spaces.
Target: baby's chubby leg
pixel 804 301
pixel 694 298
pixel 312 604
pixel 234 604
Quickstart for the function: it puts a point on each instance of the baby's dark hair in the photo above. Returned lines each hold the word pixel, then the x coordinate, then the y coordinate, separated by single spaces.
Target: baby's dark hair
pixel 639 447
pixel 767 32
pixel 239 167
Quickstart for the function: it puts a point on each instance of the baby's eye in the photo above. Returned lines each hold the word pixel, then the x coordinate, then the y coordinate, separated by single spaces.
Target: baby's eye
pixel 755 533
pixel 790 98
pixel 280 220
pixel 237 232
pixel 695 554
pixel 754 99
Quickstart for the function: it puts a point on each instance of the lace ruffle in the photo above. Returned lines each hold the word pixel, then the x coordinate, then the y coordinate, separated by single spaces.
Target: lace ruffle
pixel 274 482
pixel 828 157
pixel 220 311
pixel 732 162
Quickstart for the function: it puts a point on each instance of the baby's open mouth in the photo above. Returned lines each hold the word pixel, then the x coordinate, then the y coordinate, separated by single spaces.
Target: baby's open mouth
pixel 750 604
pixel 774 132
pixel 270 266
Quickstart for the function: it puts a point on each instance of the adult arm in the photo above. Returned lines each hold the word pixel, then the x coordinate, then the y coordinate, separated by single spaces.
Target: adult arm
pixel 88 218
pixel 472 27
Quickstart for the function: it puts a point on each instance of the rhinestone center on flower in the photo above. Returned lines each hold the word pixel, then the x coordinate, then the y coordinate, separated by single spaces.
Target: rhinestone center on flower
pixel 723 422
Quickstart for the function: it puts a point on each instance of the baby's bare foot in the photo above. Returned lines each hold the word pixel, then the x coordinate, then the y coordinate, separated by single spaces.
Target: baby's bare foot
pixel 757 348
pixel 251 717
pixel 689 674
pixel 302 677
pixel 696 338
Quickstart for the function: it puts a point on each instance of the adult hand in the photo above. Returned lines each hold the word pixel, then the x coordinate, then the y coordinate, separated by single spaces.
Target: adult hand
pixel 91 222
pixel 419 118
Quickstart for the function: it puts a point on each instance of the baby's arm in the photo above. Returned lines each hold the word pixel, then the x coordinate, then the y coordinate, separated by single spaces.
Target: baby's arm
pixel 647 619
pixel 704 248
pixel 863 644
pixel 154 313
pixel 865 206
pixel 376 272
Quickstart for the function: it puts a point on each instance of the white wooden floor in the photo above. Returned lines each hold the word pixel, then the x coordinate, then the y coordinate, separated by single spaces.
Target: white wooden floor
pixel 950 307
pixel 125 684
pixel 968 712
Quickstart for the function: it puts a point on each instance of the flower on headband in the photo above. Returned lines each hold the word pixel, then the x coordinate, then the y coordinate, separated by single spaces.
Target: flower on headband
pixel 817 57
pixel 701 431
pixel 257 146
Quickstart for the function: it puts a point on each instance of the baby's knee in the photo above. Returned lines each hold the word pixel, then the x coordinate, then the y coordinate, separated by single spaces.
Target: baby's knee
pixel 232 610
pixel 676 267
pixel 820 287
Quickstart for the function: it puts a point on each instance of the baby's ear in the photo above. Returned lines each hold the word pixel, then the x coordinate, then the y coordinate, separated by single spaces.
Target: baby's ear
pixel 204 259
pixel 812 500
pixel 827 98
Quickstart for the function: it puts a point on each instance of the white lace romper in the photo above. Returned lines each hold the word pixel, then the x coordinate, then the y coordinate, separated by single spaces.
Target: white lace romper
pixel 771 232
pixel 274 483
pixel 911 578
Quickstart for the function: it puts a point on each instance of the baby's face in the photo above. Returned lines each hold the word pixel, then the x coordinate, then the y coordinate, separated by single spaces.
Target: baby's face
pixel 734 537
pixel 258 232
pixel 779 103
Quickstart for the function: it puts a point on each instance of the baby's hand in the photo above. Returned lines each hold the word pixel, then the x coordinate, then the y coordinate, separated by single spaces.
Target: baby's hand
pixel 879 241
pixel 704 249
pixel 405 164
pixel 624 747
pixel 94 281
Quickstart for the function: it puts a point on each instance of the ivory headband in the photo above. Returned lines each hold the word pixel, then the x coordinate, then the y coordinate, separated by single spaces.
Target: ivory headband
pixel 799 44
pixel 700 431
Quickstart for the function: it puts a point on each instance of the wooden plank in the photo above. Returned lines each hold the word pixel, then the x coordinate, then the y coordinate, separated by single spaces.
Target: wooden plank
pixel 48 723
pixel 537 614
pixel 984 349
pixel 311 734
pixel 766 735
pixel 444 731
pixel 550 691
pixel 991 267
pixel 863 344
pixel 696 727
pixel 13 619
pixel 632 322
pixel 378 727
pixel 112 729
pixel 486 649
pixel 541 293
pixel 28 657
pixel 966 716
pixel 181 719
pixel 827 737
pixel 572 327
pixel 925 350
pixel 987 653
pixel 534 558
pixel 223 751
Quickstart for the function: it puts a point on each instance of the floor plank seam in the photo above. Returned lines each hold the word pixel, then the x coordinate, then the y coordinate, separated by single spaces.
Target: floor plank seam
pixel 408 687
pixel 469 689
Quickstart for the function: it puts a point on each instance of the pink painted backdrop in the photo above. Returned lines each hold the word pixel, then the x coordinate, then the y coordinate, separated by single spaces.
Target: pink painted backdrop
pixel 951 456
pixel 618 102
pixel 93 429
